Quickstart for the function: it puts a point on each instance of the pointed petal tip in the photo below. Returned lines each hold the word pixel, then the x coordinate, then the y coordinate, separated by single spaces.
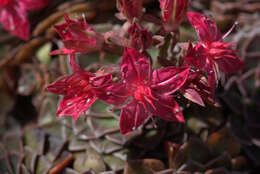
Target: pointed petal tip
pixel 191 14
pixel 180 119
pixel 66 17
pixel 60 114
pixel 125 132
pixel 53 53
pixel 51 88
pixel 48 88
pixel 194 96
pixel 75 117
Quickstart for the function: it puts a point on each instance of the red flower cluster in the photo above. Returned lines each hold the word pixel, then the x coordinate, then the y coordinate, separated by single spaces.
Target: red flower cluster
pixel 80 90
pixel 13 15
pixel 211 55
pixel 144 92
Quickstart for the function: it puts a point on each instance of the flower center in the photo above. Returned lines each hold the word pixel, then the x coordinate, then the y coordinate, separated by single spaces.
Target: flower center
pixel 143 94
pixel 141 91
pixel 4 2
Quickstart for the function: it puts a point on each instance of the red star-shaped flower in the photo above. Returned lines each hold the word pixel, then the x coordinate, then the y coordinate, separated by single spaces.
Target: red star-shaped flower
pixel 80 90
pixel 212 41
pixel 149 91
pixel 211 55
pixel 78 37
pixel 13 15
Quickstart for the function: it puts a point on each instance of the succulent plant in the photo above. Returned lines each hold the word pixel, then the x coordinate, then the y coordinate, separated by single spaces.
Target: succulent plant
pixel 213 140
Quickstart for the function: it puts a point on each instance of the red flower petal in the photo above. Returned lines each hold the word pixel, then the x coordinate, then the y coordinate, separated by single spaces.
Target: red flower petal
pixel 212 79
pixel 70 85
pixel 195 56
pixel 168 80
pixel 78 93
pixel 130 8
pixel 166 108
pixel 135 66
pixel 230 63
pixel 74 106
pixel 62 51
pixel 205 27
pixel 132 116
pixel 193 96
pixel 115 93
pixel 78 36
pixel 74 30
pixel 106 90
pixel 140 39
pixel 4 2
pixel 173 12
pixel 33 4
pixel 197 89
pixel 14 19
pixel 101 80
pixel 81 46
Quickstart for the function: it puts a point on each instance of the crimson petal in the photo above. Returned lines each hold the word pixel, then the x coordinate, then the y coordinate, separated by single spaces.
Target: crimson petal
pixel 195 56
pixel 130 8
pixel 75 105
pixel 205 27
pixel 106 90
pixel 132 116
pixel 173 12
pixel 230 63
pixel 114 93
pixel 197 90
pixel 135 66
pixel 166 108
pixel 140 38
pixel 193 96
pixel 168 80
pixel 73 30
pixel 15 20
pixel 78 36
pixel 70 84
pixel 33 4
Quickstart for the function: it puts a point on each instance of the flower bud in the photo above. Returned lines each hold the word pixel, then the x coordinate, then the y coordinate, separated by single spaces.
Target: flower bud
pixel 130 8
pixel 173 12
pixel 78 36
pixel 140 38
